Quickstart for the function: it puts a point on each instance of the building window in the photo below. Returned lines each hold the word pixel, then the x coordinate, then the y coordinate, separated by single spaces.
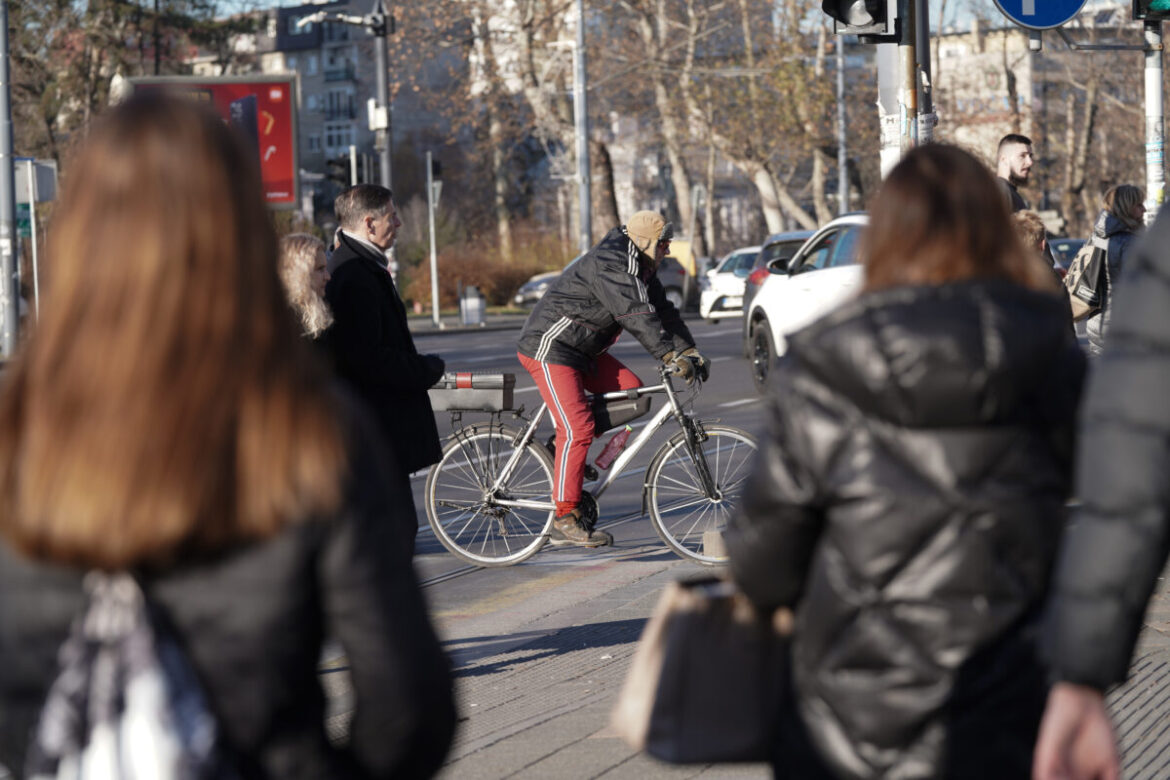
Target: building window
pixel 311 103
pixel 338 136
pixel 312 65
pixel 294 30
pixel 290 62
pixel 314 143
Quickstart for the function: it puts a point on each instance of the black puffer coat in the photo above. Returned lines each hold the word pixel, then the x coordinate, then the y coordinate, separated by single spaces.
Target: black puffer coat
pixel 1117 545
pixel 908 499
pixel 253 620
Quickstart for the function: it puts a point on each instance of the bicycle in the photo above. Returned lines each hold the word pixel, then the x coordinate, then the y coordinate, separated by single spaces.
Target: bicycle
pixel 488 499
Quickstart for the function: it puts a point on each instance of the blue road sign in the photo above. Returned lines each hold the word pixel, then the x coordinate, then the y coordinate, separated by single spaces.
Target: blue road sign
pixel 1040 14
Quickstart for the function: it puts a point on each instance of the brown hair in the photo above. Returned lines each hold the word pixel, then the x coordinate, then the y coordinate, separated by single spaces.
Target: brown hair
pixel 1031 229
pixel 298 256
pixel 940 217
pixel 1121 200
pixel 166 403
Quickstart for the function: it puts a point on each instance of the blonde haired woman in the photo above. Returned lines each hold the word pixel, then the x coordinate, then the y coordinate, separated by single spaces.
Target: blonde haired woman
pixel 303 272
pixel 166 418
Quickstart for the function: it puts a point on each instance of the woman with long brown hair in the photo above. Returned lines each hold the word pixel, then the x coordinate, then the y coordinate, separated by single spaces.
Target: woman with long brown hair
pixel 909 494
pixel 165 418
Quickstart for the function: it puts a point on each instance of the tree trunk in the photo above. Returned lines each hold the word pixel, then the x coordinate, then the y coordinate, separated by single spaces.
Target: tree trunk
pixel 1079 141
pixel 605 210
pixel 502 181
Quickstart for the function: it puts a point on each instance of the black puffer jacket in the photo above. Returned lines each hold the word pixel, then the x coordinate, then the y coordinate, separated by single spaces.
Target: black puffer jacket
pixel 908 499
pixel 609 289
pixel 253 621
pixel 1117 545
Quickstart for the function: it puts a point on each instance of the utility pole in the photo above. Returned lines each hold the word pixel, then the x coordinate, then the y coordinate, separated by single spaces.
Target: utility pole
pixel 842 138
pixel 908 100
pixel 380 23
pixel 434 253
pixel 581 116
pixel 9 275
pixel 1155 124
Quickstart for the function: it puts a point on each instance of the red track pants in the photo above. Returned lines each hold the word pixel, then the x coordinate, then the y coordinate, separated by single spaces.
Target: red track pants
pixel 563 388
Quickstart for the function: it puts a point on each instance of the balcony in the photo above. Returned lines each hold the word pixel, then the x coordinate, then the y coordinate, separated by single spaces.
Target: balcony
pixel 344 72
pixel 338 113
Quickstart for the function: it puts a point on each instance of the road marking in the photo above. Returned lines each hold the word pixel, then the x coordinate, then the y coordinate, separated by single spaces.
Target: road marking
pixel 740 402
pixel 486 358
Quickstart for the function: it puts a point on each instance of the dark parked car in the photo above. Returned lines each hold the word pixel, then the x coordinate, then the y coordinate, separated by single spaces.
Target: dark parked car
pixel 778 246
pixel 1064 250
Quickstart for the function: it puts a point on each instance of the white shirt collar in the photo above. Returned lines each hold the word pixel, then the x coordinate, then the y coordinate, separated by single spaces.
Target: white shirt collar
pixel 372 247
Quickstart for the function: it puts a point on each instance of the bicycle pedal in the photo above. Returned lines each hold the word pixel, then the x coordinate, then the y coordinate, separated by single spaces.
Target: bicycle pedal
pixel 591 474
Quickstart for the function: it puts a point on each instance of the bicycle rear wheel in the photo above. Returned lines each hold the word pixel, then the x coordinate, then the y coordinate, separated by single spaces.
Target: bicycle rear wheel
pixel 468 519
pixel 688 520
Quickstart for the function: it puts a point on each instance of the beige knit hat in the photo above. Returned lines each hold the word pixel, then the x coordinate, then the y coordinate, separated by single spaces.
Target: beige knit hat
pixel 646 228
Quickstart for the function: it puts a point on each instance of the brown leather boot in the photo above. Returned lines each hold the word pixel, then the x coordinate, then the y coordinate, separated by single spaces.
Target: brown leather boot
pixel 569 528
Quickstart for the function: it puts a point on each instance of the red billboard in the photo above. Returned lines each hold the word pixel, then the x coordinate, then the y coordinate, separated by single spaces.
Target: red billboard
pixel 263 108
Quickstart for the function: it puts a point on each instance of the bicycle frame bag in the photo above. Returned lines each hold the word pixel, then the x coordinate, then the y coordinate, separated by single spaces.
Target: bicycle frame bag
pixel 467 391
pixel 608 415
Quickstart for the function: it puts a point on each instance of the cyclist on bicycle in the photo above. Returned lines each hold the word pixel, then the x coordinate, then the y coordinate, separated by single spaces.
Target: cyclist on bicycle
pixel 611 288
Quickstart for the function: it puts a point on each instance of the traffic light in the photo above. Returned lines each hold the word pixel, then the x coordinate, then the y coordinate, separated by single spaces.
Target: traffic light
pixel 337 170
pixel 877 20
pixel 1151 10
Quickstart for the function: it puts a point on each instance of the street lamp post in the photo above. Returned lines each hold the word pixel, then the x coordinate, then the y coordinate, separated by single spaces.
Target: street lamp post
pixel 9 275
pixel 380 24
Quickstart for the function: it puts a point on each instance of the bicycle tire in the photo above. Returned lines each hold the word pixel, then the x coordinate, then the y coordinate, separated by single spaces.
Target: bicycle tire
pixel 680 510
pixel 470 524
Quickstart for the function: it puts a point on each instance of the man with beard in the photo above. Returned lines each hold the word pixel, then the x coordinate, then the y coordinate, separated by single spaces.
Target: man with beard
pixel 1012 168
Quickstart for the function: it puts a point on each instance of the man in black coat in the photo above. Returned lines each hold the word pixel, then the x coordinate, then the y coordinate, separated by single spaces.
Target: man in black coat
pixel 370 340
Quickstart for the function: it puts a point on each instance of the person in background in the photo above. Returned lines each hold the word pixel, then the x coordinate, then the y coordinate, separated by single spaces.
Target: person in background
pixel 565 343
pixel 1013 165
pixel 166 418
pixel 1119 222
pixel 1113 555
pixel 303 273
pixel 910 489
pixel 1035 236
pixel 370 339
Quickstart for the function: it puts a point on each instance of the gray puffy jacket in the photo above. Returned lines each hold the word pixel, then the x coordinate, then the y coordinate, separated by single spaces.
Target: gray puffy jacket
pixel 1120 238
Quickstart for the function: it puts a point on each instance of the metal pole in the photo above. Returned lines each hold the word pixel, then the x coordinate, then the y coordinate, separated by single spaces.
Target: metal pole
pixel 887 67
pixel 581 114
pixel 926 116
pixel 353 169
pixel 909 78
pixel 382 138
pixel 9 276
pixel 842 152
pixel 1155 140
pixel 32 222
pixel 434 254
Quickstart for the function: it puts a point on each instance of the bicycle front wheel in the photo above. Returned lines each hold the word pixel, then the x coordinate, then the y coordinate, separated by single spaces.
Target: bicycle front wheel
pixel 483 527
pixel 688 519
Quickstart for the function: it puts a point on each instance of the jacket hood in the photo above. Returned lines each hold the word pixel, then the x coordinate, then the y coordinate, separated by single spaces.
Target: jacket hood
pixel 1108 225
pixel 967 353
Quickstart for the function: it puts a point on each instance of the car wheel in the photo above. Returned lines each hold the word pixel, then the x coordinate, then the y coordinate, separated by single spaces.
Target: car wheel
pixel 674 295
pixel 763 355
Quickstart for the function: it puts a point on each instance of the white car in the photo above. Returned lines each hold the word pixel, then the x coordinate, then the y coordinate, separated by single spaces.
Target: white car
pixel 722 287
pixel 821 275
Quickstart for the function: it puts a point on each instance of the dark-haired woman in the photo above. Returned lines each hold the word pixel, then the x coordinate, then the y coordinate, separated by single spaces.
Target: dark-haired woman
pixel 1118 225
pixel 166 418
pixel 910 492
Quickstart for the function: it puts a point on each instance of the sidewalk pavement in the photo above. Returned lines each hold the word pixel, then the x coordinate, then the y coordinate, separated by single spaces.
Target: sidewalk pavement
pixel 425 325
pixel 540 666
